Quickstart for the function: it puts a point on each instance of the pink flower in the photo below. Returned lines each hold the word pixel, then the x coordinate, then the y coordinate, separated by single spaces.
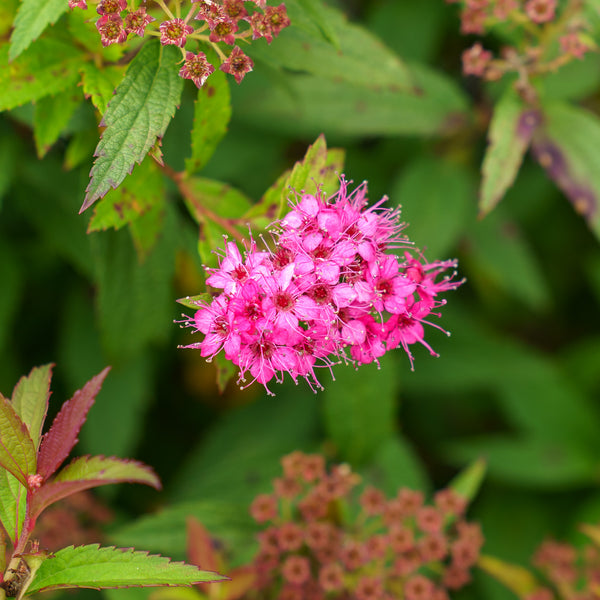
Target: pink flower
pixel 137 21
pixel 78 4
pixel 111 7
pixel 196 68
pixel 111 29
pixel 237 64
pixel 327 290
pixel 540 11
pixel 476 60
pixel 175 32
pixel 223 30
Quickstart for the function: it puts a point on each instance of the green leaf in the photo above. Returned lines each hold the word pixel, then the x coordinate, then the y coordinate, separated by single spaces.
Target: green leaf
pixel 509 135
pixel 319 167
pixel 52 115
pixel 469 480
pixel 12 505
pixel 30 400
pixel 147 228
pixel 239 457
pixel 80 148
pixel 195 302
pixel 436 198
pixel 32 18
pixel 212 112
pixel 95 567
pixel 501 260
pixel 140 111
pixel 395 464
pixel 17 451
pixel 165 531
pixel 566 146
pixel 315 10
pixel 218 208
pixel 146 311
pixel 48 67
pixel 99 84
pixel 309 105
pixel 515 577
pixel 139 193
pixel 529 462
pixel 359 409
pixel 362 59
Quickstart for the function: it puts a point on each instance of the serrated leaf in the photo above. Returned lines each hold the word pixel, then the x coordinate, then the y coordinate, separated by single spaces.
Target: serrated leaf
pixel 139 113
pixel 30 400
pixel 95 567
pixel 48 67
pixel 469 480
pixel 514 577
pixel 566 146
pixel 17 451
pixel 212 112
pixel 12 505
pixel 87 472
pixel 62 436
pixel 52 115
pixel 511 129
pixel 141 191
pixel 99 84
pixel 31 20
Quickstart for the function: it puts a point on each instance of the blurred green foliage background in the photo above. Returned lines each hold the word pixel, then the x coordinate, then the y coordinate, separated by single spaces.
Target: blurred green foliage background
pixel 518 382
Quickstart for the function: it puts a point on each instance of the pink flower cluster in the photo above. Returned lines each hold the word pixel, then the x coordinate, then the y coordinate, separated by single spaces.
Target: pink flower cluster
pixel 220 21
pixel 538 53
pixel 327 292
pixel 310 549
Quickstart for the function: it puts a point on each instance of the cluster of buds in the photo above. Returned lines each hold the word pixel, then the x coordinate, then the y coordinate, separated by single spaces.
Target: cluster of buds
pixel 393 548
pixel 212 22
pixel 327 292
pixel 573 573
pixel 543 49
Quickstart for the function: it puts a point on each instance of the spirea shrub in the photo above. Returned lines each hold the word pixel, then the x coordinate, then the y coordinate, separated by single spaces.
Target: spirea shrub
pixel 328 291
pixel 322 540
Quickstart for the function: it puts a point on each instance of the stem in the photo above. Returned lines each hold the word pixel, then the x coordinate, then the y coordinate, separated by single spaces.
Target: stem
pixel 165 8
pixel 184 189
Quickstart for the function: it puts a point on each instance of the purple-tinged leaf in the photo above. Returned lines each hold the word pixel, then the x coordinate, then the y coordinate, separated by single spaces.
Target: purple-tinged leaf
pixel 509 137
pixel 566 146
pixel 87 472
pixel 96 568
pixel 59 441
pixel 17 451
pixel 30 400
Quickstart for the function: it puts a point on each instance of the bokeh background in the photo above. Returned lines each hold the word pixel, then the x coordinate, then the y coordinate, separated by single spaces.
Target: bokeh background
pixel 517 382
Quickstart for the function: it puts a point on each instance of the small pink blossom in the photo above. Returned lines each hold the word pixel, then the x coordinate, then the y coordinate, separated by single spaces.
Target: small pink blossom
pixel 223 30
pixel 237 64
pixel 137 21
pixel 196 68
pixel 475 60
pixel 175 32
pixel 540 11
pixel 111 7
pixel 78 4
pixel 111 30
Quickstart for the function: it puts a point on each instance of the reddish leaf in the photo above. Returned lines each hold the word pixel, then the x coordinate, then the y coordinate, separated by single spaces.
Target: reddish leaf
pixel 87 472
pixel 200 549
pixel 17 452
pixel 59 441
